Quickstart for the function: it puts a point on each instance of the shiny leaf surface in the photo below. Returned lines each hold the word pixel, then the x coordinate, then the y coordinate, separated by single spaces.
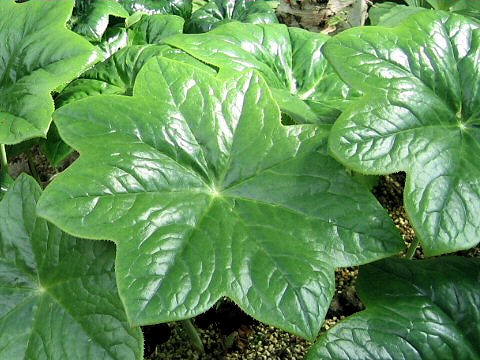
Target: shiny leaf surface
pixel 181 8
pixel 37 55
pixel 420 115
pixel 415 310
pixel 391 14
pixel 58 298
pixel 303 82
pixel 218 12
pixel 92 20
pixel 207 195
pixel 154 28
pixel 114 39
pixel 117 74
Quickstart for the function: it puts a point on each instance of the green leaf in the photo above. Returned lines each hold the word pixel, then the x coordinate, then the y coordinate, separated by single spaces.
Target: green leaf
pixel 207 195
pixel 218 12
pixel 37 55
pixel 92 20
pixel 114 39
pixel 153 29
pixel 391 14
pixel 5 182
pixel 58 298
pixel 117 74
pixel 181 8
pixel 54 148
pixel 290 60
pixel 420 115
pixel 415 310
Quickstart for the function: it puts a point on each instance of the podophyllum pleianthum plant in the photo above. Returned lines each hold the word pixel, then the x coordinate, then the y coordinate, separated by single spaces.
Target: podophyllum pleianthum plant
pixel 207 160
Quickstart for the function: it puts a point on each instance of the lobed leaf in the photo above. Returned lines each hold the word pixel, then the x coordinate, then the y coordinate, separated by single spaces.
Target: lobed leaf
pixel 419 115
pixel 415 310
pixel 58 298
pixel 302 81
pixel 219 12
pixel 92 17
pixel 207 195
pixel 154 28
pixel 37 55
pixel 181 8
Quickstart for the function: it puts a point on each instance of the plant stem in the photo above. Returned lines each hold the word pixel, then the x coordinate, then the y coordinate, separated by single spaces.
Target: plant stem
pixel 411 249
pixel 4 160
pixel 192 335
pixel 33 168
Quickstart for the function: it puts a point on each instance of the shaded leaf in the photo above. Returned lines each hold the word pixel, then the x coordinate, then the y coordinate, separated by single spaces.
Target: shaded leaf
pixel 415 310
pixel 91 19
pixel 5 182
pixel 54 148
pixel 58 298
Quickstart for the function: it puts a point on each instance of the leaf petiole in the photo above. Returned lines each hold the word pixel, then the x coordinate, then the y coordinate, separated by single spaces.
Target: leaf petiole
pixel 411 249
pixel 4 160
pixel 192 334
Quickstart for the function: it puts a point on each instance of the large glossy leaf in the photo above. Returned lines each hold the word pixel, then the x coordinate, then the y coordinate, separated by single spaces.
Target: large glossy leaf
pixel 91 18
pixel 420 115
pixel 425 310
pixel 391 14
pixel 37 54
pixel 181 8
pixel 114 39
pixel 218 12
pixel 303 82
pixel 207 195
pixel 117 74
pixel 152 29
pixel 58 298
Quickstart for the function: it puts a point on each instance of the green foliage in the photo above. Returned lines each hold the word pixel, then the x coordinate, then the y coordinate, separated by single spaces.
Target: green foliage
pixel 91 18
pixel 5 182
pixel 58 298
pixel 420 114
pixel 186 166
pixel 415 310
pixel 181 8
pixel 153 29
pixel 33 63
pixel 207 195
pixel 392 14
pixel 218 12
pixel 117 74
pixel 302 81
